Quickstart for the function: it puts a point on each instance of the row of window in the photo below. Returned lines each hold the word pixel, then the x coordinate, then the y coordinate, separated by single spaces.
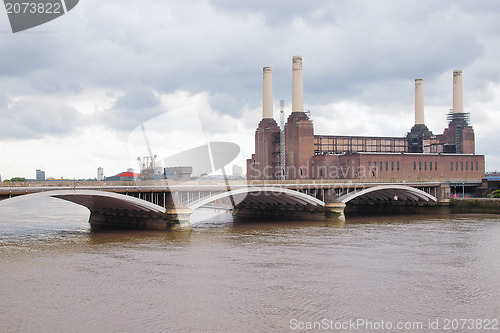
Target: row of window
pixel 425 166
pixel 381 165
pixel 466 166
pixel 431 166
pixel 456 164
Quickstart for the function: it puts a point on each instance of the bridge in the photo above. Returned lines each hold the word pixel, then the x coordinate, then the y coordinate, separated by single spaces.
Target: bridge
pixel 167 205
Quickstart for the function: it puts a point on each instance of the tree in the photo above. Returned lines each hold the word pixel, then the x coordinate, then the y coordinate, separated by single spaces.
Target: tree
pixel 496 194
pixel 16 179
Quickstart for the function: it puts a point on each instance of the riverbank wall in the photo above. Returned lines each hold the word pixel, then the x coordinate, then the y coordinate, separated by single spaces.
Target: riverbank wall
pixel 475 205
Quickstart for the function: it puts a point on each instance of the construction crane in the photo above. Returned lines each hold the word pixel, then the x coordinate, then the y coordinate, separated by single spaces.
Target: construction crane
pixel 147 164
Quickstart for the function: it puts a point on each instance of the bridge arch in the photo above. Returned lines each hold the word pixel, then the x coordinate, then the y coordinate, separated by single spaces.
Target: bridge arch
pixel 100 200
pixel 262 195
pixel 114 210
pixel 95 200
pixel 389 193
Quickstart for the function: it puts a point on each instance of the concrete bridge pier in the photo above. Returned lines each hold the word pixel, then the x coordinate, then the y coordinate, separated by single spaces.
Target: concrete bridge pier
pixel 333 207
pixel 279 212
pixel 174 219
pixel 444 194
pixel 178 218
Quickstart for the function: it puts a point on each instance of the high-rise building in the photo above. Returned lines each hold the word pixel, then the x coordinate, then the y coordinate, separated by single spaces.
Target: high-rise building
pixel 40 175
pixel 100 174
pixel 237 170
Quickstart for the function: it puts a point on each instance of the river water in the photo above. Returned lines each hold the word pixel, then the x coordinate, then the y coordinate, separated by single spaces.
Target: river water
pixel 383 274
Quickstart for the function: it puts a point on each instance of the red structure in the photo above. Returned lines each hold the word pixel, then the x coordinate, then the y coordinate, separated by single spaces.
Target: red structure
pixel 418 155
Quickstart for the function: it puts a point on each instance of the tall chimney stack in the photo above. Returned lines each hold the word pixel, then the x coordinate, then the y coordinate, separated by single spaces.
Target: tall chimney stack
pixel 458 92
pixel 297 85
pixel 267 93
pixel 419 102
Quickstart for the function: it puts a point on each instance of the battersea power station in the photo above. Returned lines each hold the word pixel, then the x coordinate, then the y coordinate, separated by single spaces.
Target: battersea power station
pixel 296 152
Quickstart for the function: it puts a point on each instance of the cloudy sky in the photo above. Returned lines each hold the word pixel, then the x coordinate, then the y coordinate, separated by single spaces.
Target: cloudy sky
pixel 74 92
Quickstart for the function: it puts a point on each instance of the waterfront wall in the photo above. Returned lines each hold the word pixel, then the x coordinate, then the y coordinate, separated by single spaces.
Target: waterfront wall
pixel 491 206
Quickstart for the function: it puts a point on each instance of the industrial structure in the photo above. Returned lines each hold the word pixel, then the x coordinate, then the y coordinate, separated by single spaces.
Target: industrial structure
pixel 182 173
pixel 295 152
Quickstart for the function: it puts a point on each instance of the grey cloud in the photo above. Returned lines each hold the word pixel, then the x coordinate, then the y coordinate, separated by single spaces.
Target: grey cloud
pixel 232 104
pixel 221 46
pixel 276 12
pixel 25 53
pixel 136 106
pixel 34 119
pixel 137 99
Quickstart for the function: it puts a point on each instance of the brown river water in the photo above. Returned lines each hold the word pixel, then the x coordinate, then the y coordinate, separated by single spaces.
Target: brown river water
pixel 416 273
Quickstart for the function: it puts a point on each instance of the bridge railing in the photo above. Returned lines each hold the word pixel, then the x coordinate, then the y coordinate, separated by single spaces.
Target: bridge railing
pixel 219 182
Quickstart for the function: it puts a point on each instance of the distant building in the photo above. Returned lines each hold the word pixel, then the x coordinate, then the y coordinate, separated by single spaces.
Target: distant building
pixel 159 173
pixel 178 173
pixel 100 174
pixel 40 175
pixel 237 170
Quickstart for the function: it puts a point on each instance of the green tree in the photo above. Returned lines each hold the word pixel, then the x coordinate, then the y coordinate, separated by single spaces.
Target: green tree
pixel 16 179
pixel 496 194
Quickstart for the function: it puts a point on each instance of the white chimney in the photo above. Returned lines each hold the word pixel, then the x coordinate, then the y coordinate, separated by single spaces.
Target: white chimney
pixel 297 85
pixel 419 102
pixel 458 92
pixel 267 93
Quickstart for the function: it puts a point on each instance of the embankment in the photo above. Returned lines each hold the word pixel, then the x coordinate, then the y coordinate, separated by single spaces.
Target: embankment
pixel 489 206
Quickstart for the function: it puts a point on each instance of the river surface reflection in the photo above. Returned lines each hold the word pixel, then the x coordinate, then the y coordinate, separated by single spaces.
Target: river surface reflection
pixel 58 276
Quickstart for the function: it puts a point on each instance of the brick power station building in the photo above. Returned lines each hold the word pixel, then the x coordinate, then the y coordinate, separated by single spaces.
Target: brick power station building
pixel 418 155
